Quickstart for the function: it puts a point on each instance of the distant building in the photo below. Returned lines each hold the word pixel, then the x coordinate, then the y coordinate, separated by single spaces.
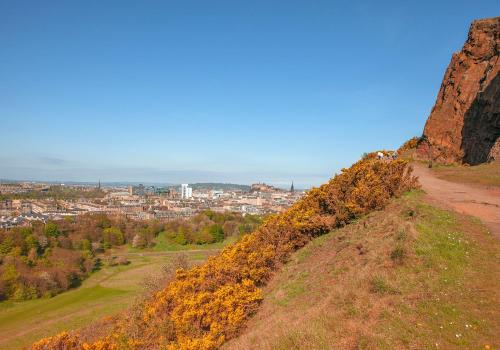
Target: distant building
pixel 137 190
pixel 172 193
pixel 262 187
pixel 26 208
pixel 292 189
pixel 186 191
pixel 34 217
pixel 216 194
pixel 6 204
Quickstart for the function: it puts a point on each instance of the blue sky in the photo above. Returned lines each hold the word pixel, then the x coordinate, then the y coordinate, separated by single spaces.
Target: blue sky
pixel 231 91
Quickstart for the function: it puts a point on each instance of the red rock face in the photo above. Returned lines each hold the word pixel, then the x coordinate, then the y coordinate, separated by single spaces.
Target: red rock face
pixel 464 125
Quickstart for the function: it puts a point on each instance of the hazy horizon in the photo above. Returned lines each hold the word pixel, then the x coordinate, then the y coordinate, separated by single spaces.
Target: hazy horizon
pixel 145 183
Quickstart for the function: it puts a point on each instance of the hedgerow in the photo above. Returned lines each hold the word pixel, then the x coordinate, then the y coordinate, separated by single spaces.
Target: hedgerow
pixel 203 306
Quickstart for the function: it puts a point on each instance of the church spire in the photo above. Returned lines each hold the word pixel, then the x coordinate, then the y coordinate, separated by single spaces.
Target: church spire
pixel 292 189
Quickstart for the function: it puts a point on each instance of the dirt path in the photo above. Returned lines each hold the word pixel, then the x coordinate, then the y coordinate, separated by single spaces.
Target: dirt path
pixel 483 203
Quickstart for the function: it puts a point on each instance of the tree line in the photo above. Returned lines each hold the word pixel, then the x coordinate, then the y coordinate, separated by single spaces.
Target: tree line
pixel 43 260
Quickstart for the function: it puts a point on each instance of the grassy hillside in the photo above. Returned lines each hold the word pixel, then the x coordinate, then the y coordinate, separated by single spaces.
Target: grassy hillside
pixel 104 293
pixel 409 277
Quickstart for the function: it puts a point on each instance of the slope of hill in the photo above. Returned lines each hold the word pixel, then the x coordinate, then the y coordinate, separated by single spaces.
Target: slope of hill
pixel 409 277
pixel 202 307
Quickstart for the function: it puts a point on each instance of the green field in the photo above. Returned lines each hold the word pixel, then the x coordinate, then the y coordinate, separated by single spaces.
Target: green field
pixel 104 293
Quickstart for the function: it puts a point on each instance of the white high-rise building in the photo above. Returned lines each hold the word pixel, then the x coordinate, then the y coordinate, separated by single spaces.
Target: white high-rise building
pixel 186 191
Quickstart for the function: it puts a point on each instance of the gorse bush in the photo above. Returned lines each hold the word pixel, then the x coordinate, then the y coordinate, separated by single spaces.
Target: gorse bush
pixel 409 145
pixel 208 304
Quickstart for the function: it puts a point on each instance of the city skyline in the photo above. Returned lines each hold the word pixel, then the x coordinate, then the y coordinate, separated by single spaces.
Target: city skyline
pixel 179 179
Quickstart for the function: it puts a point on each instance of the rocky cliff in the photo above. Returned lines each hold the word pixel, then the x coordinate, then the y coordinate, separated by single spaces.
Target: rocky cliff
pixel 464 125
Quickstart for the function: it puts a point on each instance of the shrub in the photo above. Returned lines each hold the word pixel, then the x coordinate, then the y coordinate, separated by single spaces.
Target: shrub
pixel 22 292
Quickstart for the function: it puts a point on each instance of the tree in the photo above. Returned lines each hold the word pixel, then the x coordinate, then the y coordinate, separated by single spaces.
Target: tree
pixel 85 244
pixel 31 242
pixel 138 241
pixel 43 242
pixel 230 228
pixel 6 245
pixel 51 229
pixel 113 236
pixel 217 232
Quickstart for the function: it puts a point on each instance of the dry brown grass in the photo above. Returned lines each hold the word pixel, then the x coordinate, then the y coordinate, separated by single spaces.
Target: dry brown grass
pixel 350 290
pixel 487 174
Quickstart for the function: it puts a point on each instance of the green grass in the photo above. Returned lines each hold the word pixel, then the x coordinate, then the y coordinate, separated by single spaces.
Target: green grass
pixel 381 286
pixel 296 340
pixel 23 322
pixel 163 244
pixel 293 289
pixel 104 293
pixel 24 314
pixel 440 242
pixel 317 242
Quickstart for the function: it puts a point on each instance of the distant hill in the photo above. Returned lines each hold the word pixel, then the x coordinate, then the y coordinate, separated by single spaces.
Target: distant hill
pixel 219 186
